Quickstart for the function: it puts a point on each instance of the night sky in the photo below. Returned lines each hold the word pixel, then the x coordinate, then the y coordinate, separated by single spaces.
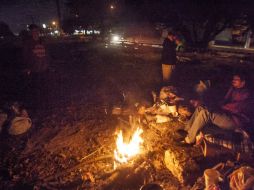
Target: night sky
pixel 18 13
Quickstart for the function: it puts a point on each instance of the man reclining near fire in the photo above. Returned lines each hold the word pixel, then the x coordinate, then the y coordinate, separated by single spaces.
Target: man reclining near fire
pixel 233 114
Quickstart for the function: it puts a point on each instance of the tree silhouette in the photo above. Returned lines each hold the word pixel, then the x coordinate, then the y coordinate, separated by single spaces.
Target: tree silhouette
pixel 198 20
pixel 5 30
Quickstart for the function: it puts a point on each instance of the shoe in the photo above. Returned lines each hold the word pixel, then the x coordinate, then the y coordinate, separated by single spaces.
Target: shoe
pixel 183 143
pixel 187 140
pixel 179 135
pixel 181 132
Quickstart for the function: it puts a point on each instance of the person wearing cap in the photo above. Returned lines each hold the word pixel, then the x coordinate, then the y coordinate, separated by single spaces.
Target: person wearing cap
pixel 168 57
pixel 234 113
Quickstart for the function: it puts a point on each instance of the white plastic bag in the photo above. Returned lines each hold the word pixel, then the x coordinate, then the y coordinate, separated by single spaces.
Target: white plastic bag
pixel 19 125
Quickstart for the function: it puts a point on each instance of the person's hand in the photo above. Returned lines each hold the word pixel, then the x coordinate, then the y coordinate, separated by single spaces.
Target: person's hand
pixel 151 110
pixel 195 103
pixel 177 99
pixel 184 111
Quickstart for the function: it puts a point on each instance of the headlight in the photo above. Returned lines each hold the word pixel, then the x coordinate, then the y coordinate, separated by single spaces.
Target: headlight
pixel 115 38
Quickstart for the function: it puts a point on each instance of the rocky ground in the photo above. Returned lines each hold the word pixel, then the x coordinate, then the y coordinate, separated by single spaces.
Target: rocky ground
pixel 71 143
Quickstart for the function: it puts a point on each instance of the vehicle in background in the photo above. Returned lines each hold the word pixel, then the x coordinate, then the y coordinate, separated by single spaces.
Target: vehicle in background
pixel 238 38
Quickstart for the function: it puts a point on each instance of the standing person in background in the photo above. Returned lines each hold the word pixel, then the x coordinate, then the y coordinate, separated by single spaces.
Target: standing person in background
pixel 36 61
pixel 168 57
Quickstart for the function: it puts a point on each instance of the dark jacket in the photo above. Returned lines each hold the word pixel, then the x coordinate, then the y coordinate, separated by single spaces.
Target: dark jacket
pixel 168 52
pixel 35 56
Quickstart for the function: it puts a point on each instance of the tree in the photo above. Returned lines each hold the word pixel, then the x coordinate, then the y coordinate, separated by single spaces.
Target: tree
pixel 85 12
pixel 5 30
pixel 59 14
pixel 94 14
pixel 199 21
pixel 203 20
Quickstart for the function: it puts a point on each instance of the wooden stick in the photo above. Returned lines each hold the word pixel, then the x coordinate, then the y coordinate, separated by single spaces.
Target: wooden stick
pixel 124 121
pixel 85 157
pixel 51 177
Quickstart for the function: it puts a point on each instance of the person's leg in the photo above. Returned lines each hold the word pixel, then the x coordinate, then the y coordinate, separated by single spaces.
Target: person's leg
pixel 200 118
pixel 31 92
pixel 165 72
pixel 171 75
pixel 193 117
pixel 43 90
pixel 223 120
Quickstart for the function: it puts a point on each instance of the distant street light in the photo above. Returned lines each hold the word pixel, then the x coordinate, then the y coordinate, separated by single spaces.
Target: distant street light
pixel 54 23
pixel 112 7
pixel 44 26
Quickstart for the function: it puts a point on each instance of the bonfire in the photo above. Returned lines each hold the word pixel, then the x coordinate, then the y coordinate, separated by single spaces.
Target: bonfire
pixel 126 151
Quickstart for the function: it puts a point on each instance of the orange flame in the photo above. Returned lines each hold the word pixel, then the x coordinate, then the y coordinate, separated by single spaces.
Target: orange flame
pixel 125 151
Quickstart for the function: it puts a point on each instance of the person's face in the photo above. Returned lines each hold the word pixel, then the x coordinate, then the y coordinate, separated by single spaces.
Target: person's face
pixel 35 34
pixel 177 41
pixel 237 82
pixel 171 37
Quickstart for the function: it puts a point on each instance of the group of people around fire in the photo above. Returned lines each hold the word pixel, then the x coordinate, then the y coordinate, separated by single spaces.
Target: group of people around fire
pixel 234 112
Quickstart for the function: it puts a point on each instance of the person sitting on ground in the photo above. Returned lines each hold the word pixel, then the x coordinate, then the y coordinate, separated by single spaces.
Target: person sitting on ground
pixel 232 115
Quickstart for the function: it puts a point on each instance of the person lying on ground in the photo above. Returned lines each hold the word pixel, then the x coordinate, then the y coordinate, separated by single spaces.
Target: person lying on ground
pixel 233 113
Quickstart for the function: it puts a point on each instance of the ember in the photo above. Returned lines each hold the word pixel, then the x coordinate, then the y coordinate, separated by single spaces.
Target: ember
pixel 125 151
